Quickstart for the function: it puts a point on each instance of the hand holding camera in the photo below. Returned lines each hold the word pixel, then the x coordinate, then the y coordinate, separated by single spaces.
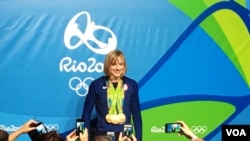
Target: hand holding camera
pixel 173 127
pixel 128 130
pixel 80 126
pixel 37 129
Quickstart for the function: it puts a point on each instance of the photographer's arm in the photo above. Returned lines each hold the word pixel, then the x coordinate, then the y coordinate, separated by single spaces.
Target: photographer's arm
pixel 26 127
pixel 187 132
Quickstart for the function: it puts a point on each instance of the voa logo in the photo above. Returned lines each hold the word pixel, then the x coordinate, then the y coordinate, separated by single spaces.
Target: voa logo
pixel 236 132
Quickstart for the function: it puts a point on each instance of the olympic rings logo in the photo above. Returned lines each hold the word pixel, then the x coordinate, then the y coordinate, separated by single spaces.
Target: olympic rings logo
pixel 80 86
pixel 51 127
pixel 199 129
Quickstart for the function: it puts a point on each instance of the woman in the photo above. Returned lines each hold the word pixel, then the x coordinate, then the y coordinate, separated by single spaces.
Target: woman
pixel 115 98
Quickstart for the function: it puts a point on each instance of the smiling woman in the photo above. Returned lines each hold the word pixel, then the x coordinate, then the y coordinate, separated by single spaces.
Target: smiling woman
pixel 115 97
pixel 115 66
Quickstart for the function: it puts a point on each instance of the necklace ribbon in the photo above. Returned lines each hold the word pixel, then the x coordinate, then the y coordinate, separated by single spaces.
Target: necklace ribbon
pixel 115 97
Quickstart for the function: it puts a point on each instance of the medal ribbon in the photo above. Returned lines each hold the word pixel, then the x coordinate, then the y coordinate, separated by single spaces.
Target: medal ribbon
pixel 115 98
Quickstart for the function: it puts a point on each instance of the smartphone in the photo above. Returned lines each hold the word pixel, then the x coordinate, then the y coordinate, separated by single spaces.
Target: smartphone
pixel 172 128
pixel 111 135
pixel 80 125
pixel 128 130
pixel 40 129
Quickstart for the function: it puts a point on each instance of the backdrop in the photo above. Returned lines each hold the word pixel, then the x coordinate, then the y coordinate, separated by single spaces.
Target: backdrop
pixel 190 59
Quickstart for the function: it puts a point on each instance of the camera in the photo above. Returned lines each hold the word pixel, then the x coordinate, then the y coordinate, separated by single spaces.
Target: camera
pixel 80 125
pixel 128 130
pixel 172 128
pixel 111 135
pixel 40 129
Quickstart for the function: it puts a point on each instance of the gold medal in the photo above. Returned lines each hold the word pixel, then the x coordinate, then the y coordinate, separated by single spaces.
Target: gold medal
pixel 115 97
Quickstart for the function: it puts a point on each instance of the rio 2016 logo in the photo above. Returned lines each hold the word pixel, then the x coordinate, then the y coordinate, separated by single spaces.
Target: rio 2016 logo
pixel 84 37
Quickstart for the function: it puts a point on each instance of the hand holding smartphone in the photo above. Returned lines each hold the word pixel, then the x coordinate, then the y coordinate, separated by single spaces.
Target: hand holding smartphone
pixel 80 125
pixel 128 130
pixel 172 128
pixel 40 129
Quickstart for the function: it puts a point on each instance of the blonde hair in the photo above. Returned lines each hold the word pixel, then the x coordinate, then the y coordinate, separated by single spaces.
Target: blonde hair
pixel 111 58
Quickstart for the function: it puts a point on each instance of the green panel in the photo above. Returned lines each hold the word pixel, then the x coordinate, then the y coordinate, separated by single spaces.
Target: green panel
pixel 209 114
pixel 220 28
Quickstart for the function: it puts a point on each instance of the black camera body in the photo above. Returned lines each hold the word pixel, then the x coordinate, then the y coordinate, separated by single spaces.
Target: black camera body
pixel 40 129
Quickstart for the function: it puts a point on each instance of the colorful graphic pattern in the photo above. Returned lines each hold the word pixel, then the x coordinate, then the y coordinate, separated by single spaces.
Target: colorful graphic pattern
pixel 227 24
